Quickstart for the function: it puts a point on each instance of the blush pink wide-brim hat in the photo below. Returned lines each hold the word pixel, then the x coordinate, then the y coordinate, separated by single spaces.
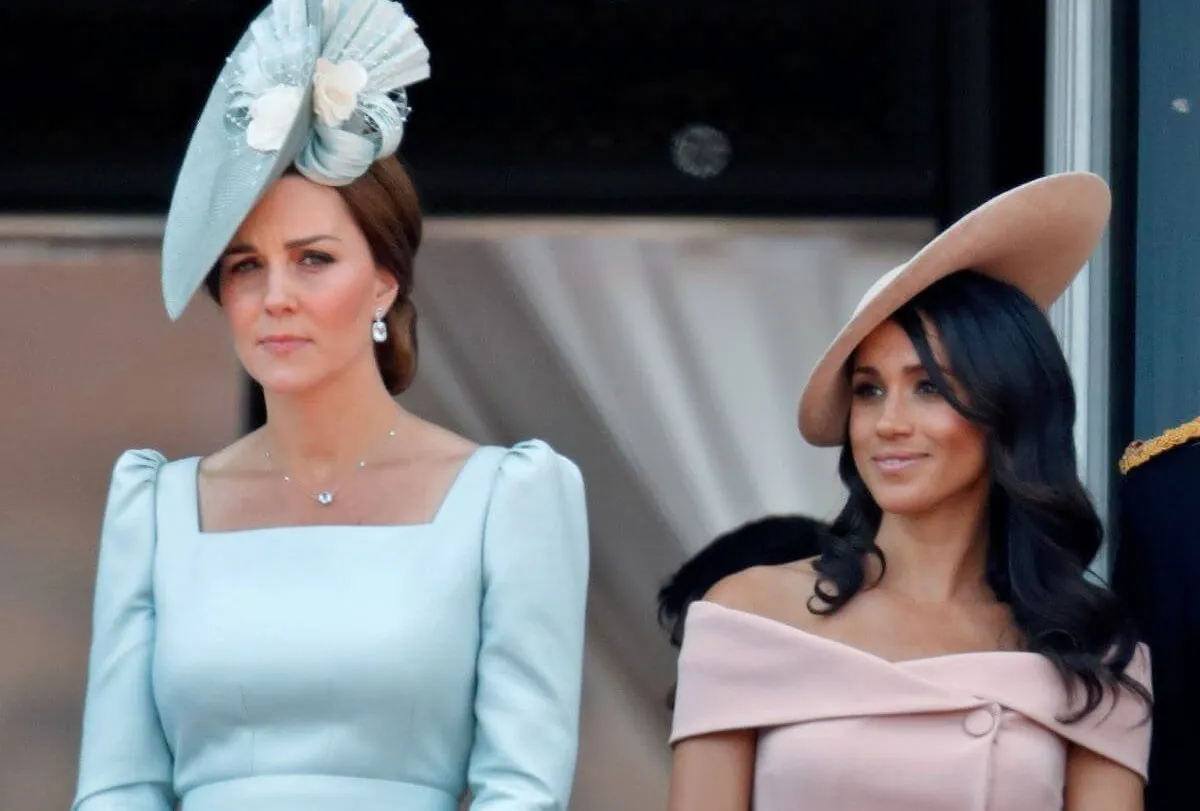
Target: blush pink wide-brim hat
pixel 1036 237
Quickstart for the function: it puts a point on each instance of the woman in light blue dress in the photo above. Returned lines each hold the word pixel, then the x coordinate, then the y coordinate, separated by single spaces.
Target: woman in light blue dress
pixel 349 608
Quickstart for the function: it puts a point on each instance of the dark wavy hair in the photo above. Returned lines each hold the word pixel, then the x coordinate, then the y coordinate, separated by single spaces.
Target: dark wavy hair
pixel 1043 529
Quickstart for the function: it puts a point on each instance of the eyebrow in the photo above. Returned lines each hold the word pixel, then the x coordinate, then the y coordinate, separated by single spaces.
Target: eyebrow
pixel 292 245
pixel 911 369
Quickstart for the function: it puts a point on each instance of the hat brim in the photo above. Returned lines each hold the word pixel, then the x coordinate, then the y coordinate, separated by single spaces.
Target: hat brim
pixel 222 179
pixel 1036 237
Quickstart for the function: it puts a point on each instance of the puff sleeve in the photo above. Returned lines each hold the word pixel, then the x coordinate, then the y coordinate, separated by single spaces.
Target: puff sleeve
pixel 125 764
pixel 530 665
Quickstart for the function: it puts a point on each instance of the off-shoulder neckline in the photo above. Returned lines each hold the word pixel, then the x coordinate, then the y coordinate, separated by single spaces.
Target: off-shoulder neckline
pixel 844 647
pixel 788 675
pixel 455 485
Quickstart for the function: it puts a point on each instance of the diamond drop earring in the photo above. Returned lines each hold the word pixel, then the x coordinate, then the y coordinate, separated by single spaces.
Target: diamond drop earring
pixel 379 327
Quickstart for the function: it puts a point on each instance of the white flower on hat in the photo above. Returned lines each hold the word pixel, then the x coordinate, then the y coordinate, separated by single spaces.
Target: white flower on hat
pixel 271 117
pixel 336 88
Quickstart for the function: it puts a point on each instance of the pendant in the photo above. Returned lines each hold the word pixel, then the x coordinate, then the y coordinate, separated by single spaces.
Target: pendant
pixel 324 498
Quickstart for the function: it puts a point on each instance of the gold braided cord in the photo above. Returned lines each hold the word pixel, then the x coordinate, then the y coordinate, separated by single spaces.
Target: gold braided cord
pixel 1140 452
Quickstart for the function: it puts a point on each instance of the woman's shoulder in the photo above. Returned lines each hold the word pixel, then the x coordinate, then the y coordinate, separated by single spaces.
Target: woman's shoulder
pixel 132 459
pixel 135 465
pixel 527 461
pixel 245 454
pixel 441 442
pixel 777 592
pixel 135 469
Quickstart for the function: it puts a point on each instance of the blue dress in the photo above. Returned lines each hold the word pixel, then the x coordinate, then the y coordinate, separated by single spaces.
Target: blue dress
pixel 348 668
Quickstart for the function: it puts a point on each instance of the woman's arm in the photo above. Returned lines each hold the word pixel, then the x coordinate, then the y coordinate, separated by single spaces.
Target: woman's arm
pixel 530 666
pixel 1095 783
pixel 714 772
pixel 125 763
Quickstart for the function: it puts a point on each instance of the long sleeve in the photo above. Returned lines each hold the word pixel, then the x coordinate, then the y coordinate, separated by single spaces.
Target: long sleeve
pixel 530 667
pixel 125 764
pixel 1128 579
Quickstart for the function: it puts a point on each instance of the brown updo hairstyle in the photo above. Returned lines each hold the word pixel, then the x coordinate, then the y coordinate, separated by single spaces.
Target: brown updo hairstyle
pixel 385 206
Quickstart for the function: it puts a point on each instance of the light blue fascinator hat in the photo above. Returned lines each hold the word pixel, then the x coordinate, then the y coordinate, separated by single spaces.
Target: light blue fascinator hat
pixel 319 84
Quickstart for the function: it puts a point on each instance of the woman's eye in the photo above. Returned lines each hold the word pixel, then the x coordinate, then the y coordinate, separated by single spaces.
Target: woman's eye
pixel 864 391
pixel 243 266
pixel 316 259
pixel 926 388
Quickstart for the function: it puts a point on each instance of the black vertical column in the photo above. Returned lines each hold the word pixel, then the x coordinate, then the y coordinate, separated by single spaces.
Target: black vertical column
pixel 966 153
pixel 992 99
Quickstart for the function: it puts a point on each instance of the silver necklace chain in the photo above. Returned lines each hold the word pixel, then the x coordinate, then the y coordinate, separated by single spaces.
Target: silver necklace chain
pixel 322 497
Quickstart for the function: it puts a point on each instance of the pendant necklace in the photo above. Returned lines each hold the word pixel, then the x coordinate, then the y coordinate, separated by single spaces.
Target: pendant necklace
pixel 322 497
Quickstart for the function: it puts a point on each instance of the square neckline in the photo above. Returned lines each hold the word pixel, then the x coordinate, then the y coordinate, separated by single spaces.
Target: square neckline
pixel 198 526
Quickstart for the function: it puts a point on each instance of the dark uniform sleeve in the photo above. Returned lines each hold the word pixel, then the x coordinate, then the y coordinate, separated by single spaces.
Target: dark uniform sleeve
pixel 1156 571
pixel 1128 578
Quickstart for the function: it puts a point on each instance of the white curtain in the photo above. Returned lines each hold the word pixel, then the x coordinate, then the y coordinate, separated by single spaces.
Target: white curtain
pixel 666 358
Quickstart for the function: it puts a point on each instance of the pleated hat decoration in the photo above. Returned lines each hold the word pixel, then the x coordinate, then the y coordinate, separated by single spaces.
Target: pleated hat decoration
pixel 318 84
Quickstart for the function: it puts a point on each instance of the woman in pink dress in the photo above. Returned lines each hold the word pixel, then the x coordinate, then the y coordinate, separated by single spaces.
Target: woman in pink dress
pixel 944 651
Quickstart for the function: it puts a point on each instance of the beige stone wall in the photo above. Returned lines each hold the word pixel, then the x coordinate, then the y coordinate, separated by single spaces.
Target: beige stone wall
pixel 89 366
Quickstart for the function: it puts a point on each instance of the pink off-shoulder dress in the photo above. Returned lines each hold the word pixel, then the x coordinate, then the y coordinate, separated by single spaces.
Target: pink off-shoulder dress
pixel 841 729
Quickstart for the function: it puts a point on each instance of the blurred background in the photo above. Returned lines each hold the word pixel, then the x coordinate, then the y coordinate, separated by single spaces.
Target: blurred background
pixel 646 220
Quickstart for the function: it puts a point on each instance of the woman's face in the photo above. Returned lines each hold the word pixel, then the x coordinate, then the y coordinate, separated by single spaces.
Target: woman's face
pixel 300 288
pixel 914 452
